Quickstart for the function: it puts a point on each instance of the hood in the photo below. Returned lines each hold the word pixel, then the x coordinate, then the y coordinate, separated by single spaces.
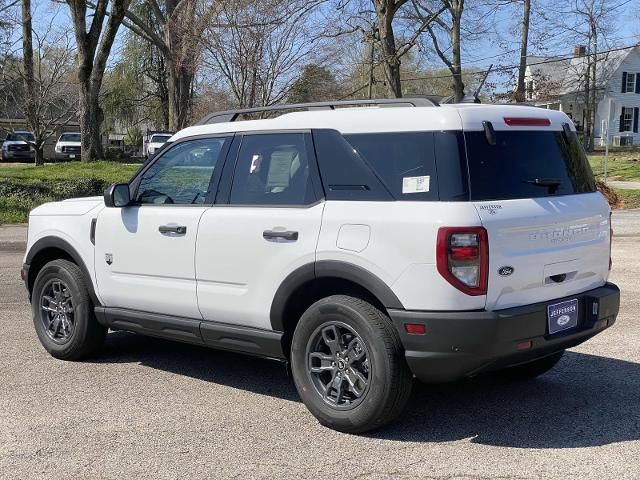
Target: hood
pixel 63 143
pixel 72 206
pixel 15 142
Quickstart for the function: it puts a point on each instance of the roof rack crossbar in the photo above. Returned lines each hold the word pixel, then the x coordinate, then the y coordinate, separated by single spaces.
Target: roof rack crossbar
pixel 233 115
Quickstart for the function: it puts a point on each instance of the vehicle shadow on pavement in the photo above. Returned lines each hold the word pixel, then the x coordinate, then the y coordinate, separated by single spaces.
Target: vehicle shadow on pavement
pixel 265 377
pixel 585 401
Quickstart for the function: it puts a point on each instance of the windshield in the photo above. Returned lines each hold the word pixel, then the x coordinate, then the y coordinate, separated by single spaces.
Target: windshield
pixel 69 137
pixel 25 136
pixel 526 164
pixel 159 138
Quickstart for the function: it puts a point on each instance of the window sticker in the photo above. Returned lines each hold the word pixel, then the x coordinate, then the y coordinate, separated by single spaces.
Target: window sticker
pixel 415 184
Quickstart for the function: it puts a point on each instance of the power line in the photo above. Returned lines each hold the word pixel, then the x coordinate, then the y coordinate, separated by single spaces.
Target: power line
pixel 506 68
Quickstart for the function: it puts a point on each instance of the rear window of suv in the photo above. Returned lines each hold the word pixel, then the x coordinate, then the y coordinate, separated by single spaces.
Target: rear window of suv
pixel 526 164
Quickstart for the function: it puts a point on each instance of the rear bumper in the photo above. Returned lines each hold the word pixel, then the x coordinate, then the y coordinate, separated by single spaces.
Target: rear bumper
pixel 462 344
pixel 59 156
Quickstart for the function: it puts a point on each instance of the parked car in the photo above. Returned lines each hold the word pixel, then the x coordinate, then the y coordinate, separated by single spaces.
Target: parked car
pixel 155 142
pixel 363 246
pixel 68 146
pixel 18 146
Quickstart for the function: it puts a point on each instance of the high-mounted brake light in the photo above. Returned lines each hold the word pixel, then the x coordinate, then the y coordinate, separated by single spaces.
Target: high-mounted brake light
pixel 527 121
pixel 462 258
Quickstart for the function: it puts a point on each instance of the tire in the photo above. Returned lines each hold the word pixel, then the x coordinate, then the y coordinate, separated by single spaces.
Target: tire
pixel 328 332
pixel 63 312
pixel 531 370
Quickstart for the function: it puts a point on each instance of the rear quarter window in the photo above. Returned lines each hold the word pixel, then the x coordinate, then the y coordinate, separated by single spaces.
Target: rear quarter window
pixel 416 166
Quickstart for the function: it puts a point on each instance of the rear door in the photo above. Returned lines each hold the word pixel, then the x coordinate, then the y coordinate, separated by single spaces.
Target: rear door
pixel 261 229
pixel 548 228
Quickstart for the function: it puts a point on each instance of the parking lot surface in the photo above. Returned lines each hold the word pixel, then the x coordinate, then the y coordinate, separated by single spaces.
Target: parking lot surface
pixel 149 408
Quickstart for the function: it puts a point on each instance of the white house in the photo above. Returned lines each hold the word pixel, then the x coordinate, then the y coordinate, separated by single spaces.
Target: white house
pixel 559 83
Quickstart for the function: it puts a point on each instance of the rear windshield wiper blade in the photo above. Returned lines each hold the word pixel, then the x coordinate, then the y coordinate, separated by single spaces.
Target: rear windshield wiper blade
pixel 551 183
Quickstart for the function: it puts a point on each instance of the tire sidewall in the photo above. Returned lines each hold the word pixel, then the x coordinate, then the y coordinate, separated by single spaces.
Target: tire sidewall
pixel 81 306
pixel 378 392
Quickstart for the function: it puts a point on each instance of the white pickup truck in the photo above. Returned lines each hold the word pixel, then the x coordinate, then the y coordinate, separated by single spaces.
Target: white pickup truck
pixel 365 246
pixel 155 143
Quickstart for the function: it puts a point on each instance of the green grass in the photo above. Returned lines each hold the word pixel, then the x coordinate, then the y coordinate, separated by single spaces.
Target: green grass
pixel 623 165
pixel 25 186
pixel 629 198
pixel 14 210
pixel 28 173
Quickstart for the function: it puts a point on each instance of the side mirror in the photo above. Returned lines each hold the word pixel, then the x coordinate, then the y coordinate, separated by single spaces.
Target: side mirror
pixel 117 195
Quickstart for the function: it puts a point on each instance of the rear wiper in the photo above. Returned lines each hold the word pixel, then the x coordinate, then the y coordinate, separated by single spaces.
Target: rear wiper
pixel 551 183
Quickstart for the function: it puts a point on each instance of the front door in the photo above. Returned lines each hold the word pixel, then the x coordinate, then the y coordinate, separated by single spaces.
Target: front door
pixel 144 253
pixel 268 227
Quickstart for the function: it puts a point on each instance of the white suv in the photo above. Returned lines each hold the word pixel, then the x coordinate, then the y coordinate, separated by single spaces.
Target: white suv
pixel 363 245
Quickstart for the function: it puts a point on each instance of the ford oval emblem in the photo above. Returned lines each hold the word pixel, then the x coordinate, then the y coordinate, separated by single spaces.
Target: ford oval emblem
pixel 505 271
pixel 563 320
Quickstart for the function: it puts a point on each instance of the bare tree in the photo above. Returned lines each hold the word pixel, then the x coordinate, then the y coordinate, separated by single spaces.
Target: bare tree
pixel 176 27
pixel 520 93
pixel 588 22
pixel 257 52
pixel 94 47
pixel 390 29
pixel 41 90
pixel 445 36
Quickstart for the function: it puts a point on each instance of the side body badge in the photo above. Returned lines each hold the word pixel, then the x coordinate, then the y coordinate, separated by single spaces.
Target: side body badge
pixel 108 257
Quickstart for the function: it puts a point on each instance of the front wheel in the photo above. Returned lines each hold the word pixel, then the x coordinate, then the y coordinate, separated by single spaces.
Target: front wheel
pixel 348 365
pixel 63 312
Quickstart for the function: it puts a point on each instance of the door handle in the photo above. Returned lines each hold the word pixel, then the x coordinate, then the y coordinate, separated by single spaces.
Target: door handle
pixel 284 234
pixel 178 229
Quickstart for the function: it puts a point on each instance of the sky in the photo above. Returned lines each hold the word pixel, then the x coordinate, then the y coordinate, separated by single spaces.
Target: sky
pixel 497 46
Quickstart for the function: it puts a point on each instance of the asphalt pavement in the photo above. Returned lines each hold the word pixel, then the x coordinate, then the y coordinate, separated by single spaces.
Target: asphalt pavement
pixel 149 408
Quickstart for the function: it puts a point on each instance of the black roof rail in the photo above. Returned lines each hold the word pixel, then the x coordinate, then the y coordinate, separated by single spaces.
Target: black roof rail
pixel 232 115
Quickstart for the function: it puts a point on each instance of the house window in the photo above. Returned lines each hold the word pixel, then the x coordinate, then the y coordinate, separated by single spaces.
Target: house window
pixel 627 120
pixel 631 82
pixel 530 89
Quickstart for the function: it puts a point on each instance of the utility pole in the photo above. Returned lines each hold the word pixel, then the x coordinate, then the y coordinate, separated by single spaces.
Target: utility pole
pixel 372 53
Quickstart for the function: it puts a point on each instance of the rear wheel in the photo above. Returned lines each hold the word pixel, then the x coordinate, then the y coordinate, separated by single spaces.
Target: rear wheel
pixel 531 370
pixel 348 365
pixel 63 312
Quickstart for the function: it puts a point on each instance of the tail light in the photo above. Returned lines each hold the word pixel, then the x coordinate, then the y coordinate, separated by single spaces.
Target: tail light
pixel 462 257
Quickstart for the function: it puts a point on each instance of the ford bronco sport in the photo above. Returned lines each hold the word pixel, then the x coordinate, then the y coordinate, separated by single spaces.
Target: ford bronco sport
pixel 365 246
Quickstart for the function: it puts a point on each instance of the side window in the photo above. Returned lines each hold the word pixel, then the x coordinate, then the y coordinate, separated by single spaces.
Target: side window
pixel 182 175
pixel 404 161
pixel 272 169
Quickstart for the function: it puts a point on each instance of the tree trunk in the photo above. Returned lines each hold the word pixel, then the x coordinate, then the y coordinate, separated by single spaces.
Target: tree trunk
pixel 90 121
pixel 524 44
pixel 179 90
pixel 28 78
pixel 93 47
pixel 456 57
pixel 389 53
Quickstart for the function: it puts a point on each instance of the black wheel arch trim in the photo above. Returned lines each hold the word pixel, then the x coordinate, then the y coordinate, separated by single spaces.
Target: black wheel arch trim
pixel 329 269
pixel 57 242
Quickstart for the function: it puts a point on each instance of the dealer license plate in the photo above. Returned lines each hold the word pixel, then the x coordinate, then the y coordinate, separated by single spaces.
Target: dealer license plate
pixel 562 316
